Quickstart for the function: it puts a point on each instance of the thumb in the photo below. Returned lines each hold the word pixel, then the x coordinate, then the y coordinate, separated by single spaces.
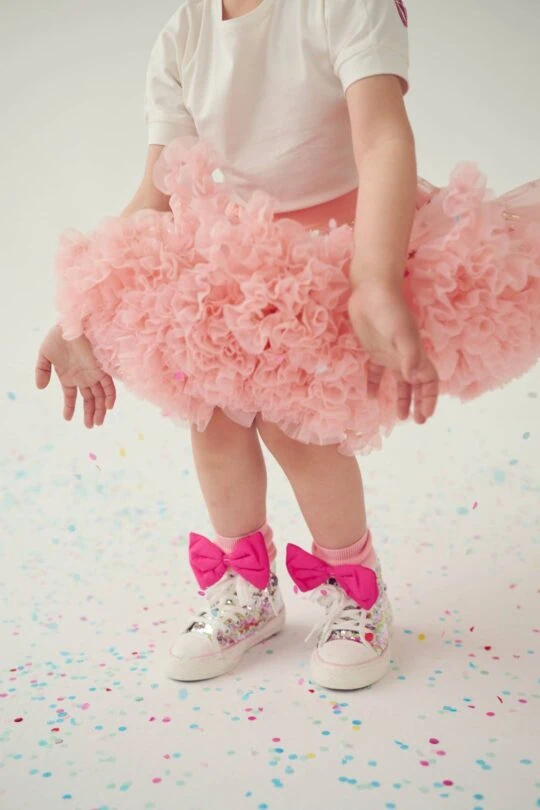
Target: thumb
pixel 43 371
pixel 410 354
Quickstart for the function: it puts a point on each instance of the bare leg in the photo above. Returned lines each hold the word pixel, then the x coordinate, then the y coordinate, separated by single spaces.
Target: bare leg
pixel 327 485
pixel 232 474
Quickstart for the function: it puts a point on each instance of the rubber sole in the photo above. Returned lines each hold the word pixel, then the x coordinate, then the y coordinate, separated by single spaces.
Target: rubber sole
pixel 211 666
pixel 333 676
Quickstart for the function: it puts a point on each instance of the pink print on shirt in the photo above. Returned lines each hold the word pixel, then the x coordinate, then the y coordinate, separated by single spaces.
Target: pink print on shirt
pixel 400 5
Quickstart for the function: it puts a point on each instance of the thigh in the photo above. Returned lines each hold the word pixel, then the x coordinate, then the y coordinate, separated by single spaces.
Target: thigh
pixel 222 432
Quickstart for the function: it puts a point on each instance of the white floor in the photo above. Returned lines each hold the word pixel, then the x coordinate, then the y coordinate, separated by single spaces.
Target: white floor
pixel 94 578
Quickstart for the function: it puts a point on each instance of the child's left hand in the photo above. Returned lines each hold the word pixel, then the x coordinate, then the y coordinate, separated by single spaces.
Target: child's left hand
pixel 387 330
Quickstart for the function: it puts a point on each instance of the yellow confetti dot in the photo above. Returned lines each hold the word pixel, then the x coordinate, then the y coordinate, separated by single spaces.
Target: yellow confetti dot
pixel 122 452
pixel 356 728
pixel 140 436
pixel 311 756
pixel 421 637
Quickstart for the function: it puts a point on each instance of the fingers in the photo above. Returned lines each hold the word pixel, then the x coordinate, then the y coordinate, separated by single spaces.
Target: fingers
pixel 374 376
pixel 426 391
pixel 110 391
pixel 89 406
pixel 99 401
pixel 70 398
pixel 42 371
pixel 404 397
pixel 95 403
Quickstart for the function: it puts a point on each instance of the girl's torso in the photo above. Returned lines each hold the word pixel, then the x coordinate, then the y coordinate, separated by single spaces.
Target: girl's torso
pixel 262 90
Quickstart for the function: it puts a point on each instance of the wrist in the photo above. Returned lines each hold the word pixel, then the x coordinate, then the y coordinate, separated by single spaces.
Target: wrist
pixel 382 276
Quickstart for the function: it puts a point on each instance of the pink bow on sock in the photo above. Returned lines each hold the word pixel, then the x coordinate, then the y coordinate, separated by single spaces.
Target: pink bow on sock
pixel 308 572
pixel 249 559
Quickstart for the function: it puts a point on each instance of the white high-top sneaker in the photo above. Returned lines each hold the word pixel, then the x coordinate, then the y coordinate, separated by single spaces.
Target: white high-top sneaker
pixel 353 646
pixel 354 634
pixel 238 616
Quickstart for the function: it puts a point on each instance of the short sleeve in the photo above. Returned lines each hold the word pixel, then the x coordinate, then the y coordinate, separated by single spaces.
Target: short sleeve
pixel 165 114
pixel 368 38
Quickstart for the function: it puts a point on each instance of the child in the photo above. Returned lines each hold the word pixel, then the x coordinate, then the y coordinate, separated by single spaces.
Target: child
pixel 268 306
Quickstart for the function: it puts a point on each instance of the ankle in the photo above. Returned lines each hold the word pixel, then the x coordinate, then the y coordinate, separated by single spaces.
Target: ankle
pixel 361 552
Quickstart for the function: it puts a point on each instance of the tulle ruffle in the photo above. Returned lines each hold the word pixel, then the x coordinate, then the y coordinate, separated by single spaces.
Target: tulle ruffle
pixel 220 304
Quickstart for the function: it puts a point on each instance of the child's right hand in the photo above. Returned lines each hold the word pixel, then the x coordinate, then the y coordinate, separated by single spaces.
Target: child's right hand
pixel 76 367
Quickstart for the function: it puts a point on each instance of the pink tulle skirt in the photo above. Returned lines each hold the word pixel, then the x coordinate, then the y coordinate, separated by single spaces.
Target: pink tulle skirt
pixel 222 304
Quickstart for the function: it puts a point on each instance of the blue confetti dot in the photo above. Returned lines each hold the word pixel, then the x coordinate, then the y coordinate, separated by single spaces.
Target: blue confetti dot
pixel 182 694
pixel 11 395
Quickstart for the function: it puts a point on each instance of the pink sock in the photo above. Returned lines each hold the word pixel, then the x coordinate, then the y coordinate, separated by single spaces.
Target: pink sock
pixel 228 543
pixel 359 553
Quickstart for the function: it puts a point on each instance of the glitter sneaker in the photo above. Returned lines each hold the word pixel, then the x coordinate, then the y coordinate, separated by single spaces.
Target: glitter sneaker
pixel 353 646
pixel 245 607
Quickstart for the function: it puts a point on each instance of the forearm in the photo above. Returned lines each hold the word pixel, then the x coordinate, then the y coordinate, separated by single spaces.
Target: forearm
pixel 387 182
pixel 147 195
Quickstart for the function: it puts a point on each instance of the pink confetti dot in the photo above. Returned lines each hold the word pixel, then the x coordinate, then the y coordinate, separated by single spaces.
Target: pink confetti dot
pixel 276 739
pixel 92 456
pixel 85 706
pixel 424 762
pixel 434 740
pixel 441 753
pixel 156 780
pixel 252 717
pixel 490 714
pixel 447 782
pixel 166 720
pixel 18 719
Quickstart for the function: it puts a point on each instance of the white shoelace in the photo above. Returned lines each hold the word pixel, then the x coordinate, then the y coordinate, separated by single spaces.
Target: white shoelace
pixel 235 588
pixel 334 599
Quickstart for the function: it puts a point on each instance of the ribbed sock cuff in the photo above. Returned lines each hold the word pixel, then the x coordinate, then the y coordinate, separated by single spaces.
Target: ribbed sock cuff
pixel 360 552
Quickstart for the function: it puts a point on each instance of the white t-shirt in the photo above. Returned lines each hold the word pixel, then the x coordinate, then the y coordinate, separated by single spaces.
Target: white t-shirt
pixel 267 90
